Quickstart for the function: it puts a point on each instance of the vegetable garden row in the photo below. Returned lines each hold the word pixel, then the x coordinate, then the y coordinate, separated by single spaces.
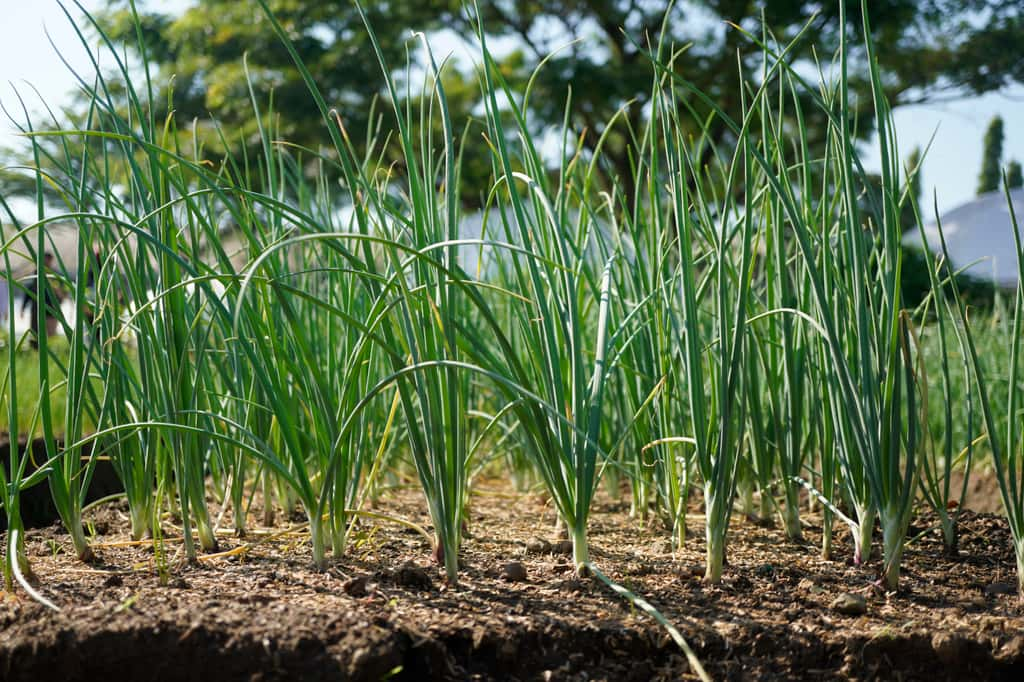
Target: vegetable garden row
pixel 729 319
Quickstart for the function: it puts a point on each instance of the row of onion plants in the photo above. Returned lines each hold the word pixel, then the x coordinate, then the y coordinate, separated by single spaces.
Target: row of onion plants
pixel 733 320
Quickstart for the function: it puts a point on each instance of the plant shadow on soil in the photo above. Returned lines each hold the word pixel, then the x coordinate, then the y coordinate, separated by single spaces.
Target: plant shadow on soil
pixel 383 611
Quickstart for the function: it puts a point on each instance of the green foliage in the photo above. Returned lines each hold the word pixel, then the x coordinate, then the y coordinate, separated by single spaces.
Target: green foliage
pixel 916 287
pixel 26 367
pixel 991 157
pixel 1014 176
pixel 211 46
pixel 729 301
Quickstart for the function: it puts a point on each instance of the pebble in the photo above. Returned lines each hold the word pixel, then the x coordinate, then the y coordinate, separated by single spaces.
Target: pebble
pixel 849 604
pixel 514 571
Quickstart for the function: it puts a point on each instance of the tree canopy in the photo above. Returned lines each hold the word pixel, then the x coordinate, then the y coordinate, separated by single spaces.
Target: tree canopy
pixel 1014 176
pixel 927 49
pixel 991 175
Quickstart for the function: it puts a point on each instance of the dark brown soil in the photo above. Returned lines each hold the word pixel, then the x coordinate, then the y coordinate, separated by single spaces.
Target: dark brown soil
pixel 383 611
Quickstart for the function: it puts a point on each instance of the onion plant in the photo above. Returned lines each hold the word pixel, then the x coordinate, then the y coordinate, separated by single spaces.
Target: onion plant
pixel 739 315
pixel 939 455
pixel 1007 443
pixel 877 378
pixel 419 327
pixel 430 313
pixel 652 384
pixel 156 235
pixel 561 359
pixel 713 324
pixel 68 477
pixel 854 278
pixel 651 388
pixel 15 474
pixel 783 348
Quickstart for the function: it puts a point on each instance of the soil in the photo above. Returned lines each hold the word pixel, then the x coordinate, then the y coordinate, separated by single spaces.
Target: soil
pixel 258 611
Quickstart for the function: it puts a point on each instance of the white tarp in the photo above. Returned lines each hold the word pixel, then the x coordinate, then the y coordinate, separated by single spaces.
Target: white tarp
pixel 979 232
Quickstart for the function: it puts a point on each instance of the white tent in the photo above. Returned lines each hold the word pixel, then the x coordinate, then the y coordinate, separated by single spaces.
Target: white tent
pixel 979 234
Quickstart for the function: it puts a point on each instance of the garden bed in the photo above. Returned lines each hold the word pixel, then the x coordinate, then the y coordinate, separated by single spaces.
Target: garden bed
pixel 262 613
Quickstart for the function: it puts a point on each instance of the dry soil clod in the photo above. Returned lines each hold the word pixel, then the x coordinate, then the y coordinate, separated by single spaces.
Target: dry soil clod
pixel 1000 588
pixel 356 587
pixel 514 571
pixel 562 547
pixel 538 546
pixel 850 604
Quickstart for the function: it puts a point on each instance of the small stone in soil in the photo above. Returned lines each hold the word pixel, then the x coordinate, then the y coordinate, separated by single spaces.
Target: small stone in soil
pixel 538 546
pixel 849 604
pixel 514 571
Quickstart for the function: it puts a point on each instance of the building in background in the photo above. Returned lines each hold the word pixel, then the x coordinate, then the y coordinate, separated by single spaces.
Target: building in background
pixel 979 236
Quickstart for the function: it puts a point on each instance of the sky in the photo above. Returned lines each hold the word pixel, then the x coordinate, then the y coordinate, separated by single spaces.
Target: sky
pixel 950 168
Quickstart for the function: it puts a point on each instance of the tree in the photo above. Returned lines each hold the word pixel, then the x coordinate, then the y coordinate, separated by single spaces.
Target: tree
pixel 927 48
pixel 990 179
pixel 216 49
pixel 1014 177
